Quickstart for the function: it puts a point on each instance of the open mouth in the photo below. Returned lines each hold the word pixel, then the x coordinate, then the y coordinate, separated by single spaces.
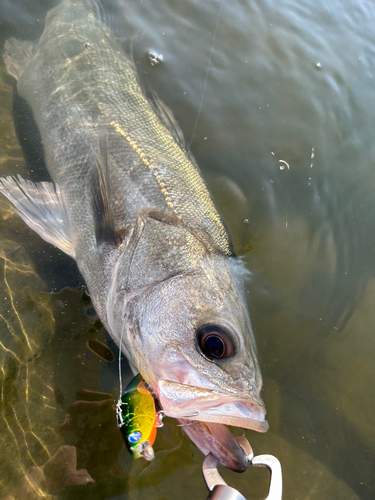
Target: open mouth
pixel 210 405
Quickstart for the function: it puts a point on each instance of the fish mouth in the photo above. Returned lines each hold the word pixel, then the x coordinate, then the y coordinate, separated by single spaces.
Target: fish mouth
pixel 211 405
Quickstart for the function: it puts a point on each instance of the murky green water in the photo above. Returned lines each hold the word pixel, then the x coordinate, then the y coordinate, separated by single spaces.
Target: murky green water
pixel 285 140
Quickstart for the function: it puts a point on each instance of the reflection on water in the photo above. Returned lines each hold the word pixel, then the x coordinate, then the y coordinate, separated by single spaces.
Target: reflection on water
pixel 306 232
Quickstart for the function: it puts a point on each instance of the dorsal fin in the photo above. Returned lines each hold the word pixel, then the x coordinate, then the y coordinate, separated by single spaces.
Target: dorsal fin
pixel 167 118
pixel 105 230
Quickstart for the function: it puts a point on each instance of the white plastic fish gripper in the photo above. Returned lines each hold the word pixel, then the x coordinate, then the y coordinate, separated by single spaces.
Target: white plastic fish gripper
pixel 219 489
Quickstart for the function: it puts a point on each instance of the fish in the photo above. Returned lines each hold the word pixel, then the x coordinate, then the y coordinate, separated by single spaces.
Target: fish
pixel 128 202
pixel 138 419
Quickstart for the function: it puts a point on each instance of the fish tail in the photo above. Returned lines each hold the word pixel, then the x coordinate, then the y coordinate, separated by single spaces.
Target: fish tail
pixel 17 54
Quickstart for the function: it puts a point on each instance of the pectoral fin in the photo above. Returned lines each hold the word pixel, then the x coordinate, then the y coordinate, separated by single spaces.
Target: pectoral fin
pixel 40 206
pixel 101 197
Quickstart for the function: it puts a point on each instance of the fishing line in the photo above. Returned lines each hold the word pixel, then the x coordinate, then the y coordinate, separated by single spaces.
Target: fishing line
pixel 205 78
pixel 119 359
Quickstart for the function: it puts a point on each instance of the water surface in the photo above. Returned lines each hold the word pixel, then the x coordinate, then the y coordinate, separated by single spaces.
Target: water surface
pixel 285 141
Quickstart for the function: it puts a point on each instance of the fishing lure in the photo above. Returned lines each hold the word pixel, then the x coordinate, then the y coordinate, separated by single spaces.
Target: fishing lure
pixel 138 419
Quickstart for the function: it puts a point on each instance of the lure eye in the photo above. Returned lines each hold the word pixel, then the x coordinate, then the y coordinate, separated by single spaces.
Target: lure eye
pixel 134 437
pixel 215 342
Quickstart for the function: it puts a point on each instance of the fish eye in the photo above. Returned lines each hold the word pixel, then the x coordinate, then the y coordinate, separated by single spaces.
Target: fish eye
pixel 215 342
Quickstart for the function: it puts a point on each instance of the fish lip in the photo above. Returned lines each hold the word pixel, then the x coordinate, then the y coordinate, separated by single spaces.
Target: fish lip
pixel 213 406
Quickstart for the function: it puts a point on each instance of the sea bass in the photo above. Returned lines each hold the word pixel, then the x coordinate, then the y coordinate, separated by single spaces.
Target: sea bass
pixel 128 203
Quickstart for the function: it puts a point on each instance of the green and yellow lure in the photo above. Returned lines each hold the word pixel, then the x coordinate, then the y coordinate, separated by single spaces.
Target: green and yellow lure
pixel 138 419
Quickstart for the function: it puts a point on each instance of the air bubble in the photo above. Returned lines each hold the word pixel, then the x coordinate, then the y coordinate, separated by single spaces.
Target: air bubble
pixel 154 58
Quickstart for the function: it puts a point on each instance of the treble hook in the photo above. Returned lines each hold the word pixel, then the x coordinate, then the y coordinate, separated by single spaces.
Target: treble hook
pixel 219 490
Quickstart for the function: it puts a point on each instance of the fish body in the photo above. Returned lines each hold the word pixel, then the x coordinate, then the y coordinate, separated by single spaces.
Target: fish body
pixel 129 204
pixel 137 419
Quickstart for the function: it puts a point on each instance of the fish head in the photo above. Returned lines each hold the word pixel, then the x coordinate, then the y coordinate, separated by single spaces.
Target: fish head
pixel 191 339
